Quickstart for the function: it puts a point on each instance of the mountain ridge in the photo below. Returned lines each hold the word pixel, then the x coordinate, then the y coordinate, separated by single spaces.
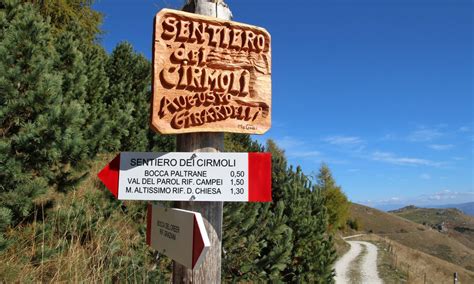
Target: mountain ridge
pixel 466 208
pixel 441 244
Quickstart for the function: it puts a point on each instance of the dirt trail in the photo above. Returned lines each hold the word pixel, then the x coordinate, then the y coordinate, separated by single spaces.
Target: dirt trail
pixel 368 266
pixel 343 264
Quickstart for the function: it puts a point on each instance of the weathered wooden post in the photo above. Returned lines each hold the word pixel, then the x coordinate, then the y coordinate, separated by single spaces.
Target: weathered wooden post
pixel 408 271
pixel 210 76
pixel 210 270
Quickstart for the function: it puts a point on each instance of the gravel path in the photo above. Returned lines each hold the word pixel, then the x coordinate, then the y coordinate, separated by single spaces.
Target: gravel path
pixel 343 264
pixel 368 267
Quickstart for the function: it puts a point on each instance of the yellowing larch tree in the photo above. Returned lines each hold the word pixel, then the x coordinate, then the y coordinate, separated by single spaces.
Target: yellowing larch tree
pixel 334 198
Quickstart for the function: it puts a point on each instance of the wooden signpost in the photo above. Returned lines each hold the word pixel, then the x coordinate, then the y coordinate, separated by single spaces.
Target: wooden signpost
pixel 244 177
pixel 178 105
pixel 210 75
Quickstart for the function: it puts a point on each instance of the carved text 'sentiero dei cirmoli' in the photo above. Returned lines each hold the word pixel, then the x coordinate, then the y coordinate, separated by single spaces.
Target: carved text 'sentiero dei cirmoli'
pixel 210 75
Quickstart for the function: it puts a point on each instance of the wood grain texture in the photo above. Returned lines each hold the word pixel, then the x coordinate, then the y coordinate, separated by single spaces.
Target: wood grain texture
pixel 209 74
pixel 210 269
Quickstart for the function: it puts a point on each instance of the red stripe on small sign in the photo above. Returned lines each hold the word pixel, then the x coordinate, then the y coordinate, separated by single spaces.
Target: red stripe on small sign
pixel 109 175
pixel 260 177
pixel 198 242
pixel 148 223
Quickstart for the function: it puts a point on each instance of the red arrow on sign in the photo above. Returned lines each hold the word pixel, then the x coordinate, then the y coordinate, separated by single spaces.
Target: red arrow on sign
pixel 109 175
pixel 235 176
pixel 179 234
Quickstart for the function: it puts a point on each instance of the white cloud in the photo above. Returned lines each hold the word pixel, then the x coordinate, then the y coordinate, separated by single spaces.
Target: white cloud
pixel 424 135
pixel 458 158
pixel 297 148
pixel 343 140
pixel 389 137
pixel 464 129
pixel 304 154
pixel 440 147
pixel 447 196
pixel 288 142
pixel 444 197
pixel 279 123
pixel 403 161
pixel 425 176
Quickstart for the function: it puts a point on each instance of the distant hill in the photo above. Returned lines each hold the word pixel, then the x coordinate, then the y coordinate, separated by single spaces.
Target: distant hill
pixel 415 235
pixel 387 207
pixel 466 208
pixel 450 221
pixel 433 215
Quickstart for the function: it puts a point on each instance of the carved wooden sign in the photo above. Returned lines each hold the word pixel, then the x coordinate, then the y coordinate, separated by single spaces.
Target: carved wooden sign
pixel 210 75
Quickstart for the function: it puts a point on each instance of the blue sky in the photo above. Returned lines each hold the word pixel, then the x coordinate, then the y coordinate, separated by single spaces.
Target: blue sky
pixel 382 91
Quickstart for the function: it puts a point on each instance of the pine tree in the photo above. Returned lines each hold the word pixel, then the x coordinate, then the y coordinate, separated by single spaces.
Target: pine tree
pixel 285 240
pixel 99 125
pixel 311 254
pixel 64 13
pixel 75 26
pixel 279 170
pixel 73 142
pixel 323 251
pixel 43 112
pixel 277 243
pixel 128 97
pixel 30 93
pixel 235 142
pixel 255 228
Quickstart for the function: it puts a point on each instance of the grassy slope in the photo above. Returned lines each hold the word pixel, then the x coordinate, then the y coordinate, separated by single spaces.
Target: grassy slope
pixel 459 225
pixel 341 246
pixel 414 235
pixel 82 236
pixel 434 216
pixel 402 264
pixel 386 265
pixel 467 208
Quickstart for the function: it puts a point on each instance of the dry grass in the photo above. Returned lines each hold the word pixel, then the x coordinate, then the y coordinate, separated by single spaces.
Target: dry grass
pixel 84 237
pixel 385 265
pixel 341 246
pixel 414 235
pixel 459 226
pixel 418 266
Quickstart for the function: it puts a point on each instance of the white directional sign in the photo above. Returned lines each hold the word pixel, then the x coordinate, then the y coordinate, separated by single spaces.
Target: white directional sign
pixel 178 234
pixel 189 176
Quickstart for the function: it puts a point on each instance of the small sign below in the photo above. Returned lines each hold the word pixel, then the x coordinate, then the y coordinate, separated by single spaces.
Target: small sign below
pixel 178 234
pixel 189 176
